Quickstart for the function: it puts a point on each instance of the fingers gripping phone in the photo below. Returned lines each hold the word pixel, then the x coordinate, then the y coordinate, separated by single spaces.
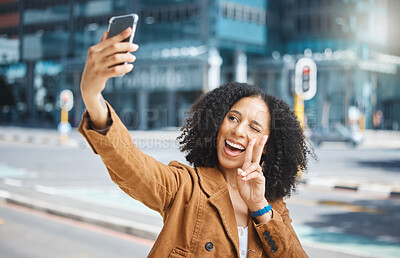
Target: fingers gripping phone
pixel 118 24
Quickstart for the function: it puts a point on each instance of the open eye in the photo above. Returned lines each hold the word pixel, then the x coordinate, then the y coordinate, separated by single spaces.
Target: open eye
pixel 233 118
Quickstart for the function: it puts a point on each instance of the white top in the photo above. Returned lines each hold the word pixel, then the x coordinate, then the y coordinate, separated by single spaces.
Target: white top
pixel 243 236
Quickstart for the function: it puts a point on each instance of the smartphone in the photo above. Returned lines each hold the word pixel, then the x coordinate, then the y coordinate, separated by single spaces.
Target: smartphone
pixel 118 24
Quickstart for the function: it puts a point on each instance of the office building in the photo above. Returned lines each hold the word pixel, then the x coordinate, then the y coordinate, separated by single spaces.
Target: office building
pixel 189 47
pixel 348 40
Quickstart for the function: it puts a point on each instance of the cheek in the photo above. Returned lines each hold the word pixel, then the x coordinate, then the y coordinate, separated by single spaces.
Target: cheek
pixel 225 127
pixel 220 135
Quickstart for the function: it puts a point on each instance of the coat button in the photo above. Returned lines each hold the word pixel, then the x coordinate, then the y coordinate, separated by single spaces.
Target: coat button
pixel 274 249
pixel 209 246
pixel 271 243
pixel 268 238
pixel 266 233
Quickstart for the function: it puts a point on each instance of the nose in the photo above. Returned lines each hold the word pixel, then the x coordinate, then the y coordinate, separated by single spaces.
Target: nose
pixel 239 130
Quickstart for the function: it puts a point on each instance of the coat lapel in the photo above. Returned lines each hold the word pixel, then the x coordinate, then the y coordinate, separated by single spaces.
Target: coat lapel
pixel 214 185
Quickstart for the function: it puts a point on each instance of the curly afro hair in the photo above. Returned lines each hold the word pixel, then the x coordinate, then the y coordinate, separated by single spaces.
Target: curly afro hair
pixel 286 151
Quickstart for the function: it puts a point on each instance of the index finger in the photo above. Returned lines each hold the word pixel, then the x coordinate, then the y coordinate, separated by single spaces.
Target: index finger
pixel 117 38
pixel 260 148
pixel 104 37
pixel 248 155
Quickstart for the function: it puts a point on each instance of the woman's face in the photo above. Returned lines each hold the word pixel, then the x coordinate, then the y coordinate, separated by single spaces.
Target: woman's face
pixel 247 119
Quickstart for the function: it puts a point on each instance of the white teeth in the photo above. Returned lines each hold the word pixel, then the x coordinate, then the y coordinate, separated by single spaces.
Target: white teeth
pixel 234 145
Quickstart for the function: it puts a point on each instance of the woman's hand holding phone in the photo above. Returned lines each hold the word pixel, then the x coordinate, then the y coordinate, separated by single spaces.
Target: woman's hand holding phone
pixel 105 60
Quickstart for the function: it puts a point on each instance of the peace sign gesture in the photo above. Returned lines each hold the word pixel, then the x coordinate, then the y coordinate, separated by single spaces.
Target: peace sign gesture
pixel 250 179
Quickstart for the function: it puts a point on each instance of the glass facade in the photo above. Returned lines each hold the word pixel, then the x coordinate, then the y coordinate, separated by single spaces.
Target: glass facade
pixel 191 46
pixel 347 40
pixel 237 20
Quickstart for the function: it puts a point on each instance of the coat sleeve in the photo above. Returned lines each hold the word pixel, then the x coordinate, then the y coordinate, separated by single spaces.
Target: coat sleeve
pixel 139 175
pixel 278 237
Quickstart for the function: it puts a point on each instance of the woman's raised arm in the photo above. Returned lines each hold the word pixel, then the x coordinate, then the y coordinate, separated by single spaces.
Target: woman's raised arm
pixel 104 60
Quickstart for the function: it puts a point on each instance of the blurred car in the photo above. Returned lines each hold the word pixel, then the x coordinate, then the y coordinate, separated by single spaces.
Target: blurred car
pixel 336 133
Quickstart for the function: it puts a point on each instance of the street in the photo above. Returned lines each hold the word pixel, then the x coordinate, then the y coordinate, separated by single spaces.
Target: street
pixel 329 223
pixel 28 233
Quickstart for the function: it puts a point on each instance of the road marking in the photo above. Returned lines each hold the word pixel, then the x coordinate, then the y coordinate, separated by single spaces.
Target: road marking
pixel 4 194
pixel 377 189
pixel 45 189
pixel 105 196
pixel 301 201
pixel 13 182
pixel 343 205
pixel 148 230
pixel 322 182
pixel 352 208
pixel 79 224
pixel 110 196
pixel 7 171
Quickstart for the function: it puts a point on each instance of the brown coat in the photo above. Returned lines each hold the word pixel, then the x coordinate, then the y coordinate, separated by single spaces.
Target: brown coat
pixel 199 219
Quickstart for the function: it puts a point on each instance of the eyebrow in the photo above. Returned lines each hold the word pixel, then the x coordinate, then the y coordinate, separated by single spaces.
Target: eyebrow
pixel 253 121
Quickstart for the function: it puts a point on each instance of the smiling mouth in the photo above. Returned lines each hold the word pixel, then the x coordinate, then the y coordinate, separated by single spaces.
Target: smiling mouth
pixel 233 149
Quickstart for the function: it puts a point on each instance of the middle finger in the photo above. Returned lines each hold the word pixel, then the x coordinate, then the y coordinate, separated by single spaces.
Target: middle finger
pixel 255 167
pixel 248 156
pixel 259 149
pixel 119 47
pixel 118 59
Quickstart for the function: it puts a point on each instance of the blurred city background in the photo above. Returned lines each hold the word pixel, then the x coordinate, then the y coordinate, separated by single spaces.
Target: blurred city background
pixel 56 199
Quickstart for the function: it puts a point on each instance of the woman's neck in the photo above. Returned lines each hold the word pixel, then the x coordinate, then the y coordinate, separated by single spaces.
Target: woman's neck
pixel 230 176
pixel 239 206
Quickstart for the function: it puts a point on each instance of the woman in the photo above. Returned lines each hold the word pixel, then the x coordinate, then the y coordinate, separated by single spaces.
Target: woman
pixel 246 148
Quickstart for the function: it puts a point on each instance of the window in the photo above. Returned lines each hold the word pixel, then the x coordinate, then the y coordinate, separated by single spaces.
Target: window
pixel 246 14
pixel 46 15
pixel 319 24
pixel 171 13
pixel 239 12
pixel 298 23
pixel 230 10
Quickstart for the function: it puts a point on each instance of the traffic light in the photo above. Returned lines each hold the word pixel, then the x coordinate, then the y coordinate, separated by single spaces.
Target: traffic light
pixel 66 100
pixel 66 104
pixel 306 78
pixel 305 85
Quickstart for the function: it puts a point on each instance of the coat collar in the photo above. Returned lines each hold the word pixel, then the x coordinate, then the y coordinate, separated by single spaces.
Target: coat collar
pixel 214 185
pixel 212 180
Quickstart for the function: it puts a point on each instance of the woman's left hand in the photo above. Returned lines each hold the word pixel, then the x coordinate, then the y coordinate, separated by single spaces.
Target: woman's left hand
pixel 250 179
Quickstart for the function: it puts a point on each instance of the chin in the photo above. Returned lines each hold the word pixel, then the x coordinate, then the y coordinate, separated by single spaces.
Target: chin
pixel 229 164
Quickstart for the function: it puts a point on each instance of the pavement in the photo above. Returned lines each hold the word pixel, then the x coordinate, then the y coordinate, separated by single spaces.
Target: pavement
pixel 147 224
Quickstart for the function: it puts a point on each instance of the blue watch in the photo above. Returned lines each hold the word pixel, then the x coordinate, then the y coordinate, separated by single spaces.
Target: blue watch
pixel 261 211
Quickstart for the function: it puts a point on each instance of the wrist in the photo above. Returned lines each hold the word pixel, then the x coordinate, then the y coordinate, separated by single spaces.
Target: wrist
pixel 92 100
pixel 88 95
pixel 98 111
pixel 257 206
pixel 261 212
pixel 264 218
pixel 91 89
